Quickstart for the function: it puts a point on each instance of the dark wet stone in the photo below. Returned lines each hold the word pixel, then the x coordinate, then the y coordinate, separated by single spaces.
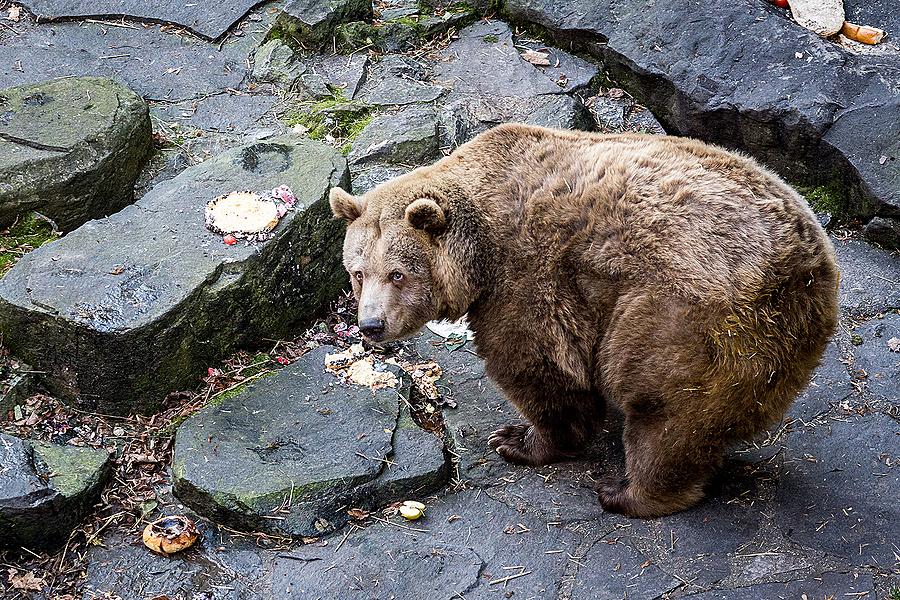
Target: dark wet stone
pixel 408 137
pixel 397 80
pixel 125 309
pixel 70 149
pixel 836 109
pixel 883 231
pixel 613 569
pixel 292 452
pixel 609 113
pixel 367 176
pixel 827 585
pixel 274 62
pixel 123 568
pixel 832 489
pixel 641 120
pixel 569 72
pixel 875 357
pixel 869 278
pixel 209 18
pixel 830 384
pixel 45 489
pixel 17 384
pixel 468 542
pixel 313 21
pixel 156 65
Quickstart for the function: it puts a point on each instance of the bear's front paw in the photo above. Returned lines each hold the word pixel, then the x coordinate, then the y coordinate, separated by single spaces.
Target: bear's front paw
pixel 521 445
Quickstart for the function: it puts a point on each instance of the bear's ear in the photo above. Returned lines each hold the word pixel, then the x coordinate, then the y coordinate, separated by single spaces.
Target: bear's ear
pixel 345 206
pixel 425 214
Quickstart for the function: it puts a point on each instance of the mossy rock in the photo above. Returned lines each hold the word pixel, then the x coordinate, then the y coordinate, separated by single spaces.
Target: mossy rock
pixel 70 149
pixel 312 23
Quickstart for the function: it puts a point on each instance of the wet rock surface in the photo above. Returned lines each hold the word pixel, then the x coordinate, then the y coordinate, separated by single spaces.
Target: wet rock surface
pixel 292 452
pixel 125 309
pixel 70 149
pixel 45 489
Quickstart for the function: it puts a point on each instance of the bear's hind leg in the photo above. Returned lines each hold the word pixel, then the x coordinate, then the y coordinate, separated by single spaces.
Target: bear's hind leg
pixel 668 463
pixel 558 428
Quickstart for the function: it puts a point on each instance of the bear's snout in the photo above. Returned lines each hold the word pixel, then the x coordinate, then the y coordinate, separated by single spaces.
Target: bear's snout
pixel 372 328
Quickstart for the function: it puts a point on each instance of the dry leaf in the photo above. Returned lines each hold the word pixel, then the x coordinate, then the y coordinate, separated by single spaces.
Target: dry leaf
pixel 358 514
pixel 14 13
pixel 538 59
pixel 615 92
pixel 26 582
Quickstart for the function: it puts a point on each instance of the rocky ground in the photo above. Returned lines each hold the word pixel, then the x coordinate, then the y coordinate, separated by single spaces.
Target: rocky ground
pixel 138 335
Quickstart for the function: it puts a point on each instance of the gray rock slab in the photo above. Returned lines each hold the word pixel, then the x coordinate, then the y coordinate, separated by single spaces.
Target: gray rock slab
pixel 614 569
pixel 125 309
pixel 870 278
pixel 875 356
pixel 463 119
pixel 70 149
pixel 208 18
pixel 224 113
pixel 571 73
pixel 367 176
pixel 832 492
pixel 275 62
pixel 326 75
pixel 837 109
pixel 397 80
pixel 313 21
pixel 830 384
pixel 17 383
pixel 484 62
pixel 155 64
pixel 827 585
pixel 45 489
pixel 468 541
pixel 125 569
pixel 408 137
pixel 292 452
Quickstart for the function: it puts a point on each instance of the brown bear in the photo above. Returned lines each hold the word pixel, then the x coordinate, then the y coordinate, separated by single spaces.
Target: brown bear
pixel 685 284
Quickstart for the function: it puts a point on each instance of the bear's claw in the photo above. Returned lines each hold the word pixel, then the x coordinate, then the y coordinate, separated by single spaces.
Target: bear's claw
pixel 522 444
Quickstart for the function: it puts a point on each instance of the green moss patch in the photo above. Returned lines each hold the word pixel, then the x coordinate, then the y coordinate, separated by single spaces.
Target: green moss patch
pixel 335 120
pixel 22 237
pixel 828 198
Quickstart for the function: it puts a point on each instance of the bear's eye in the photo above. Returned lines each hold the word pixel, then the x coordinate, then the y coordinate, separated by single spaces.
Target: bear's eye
pixel 396 276
pixel 358 275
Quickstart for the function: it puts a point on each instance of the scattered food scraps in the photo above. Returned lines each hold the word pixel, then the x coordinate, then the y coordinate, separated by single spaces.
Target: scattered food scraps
pixel 354 366
pixel 14 13
pixel 424 375
pixel 824 17
pixel 170 534
pixel 538 59
pixel 894 344
pixel 412 510
pixel 862 33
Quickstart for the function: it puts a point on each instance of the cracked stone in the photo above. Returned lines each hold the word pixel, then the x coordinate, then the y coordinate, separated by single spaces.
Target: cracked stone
pixel 409 136
pixel 45 489
pixel 274 62
pixel 396 80
pixel 326 75
pixel 313 21
pixel 17 384
pixel 125 309
pixel 569 72
pixel 875 357
pixel 818 501
pixel 290 453
pixel 70 149
pixel 830 384
pixel 156 65
pixel 225 113
pixel 209 18
pixel 623 573
pixel 828 585
pixel 870 278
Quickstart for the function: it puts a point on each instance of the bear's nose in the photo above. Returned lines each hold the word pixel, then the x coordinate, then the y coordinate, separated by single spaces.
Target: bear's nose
pixel 371 328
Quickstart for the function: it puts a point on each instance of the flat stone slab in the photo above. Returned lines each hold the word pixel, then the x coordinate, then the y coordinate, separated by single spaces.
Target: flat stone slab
pixel 878 355
pixel 45 489
pixel 313 21
pixel 837 108
pixel 292 452
pixel 409 136
pixel 208 18
pixel 833 488
pixel 156 65
pixel 397 80
pixel 870 278
pixel 830 384
pixel 125 309
pixel 827 585
pixel 70 149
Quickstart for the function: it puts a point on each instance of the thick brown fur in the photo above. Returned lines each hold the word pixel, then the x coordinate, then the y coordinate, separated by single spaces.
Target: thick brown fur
pixel 688 286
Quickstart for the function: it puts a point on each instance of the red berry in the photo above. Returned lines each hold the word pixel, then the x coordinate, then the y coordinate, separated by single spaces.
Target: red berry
pixel 282 360
pixel 229 240
pixel 780 3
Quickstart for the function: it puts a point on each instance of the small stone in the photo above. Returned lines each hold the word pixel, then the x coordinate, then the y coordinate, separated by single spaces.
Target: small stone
pixel 883 231
pixel 410 513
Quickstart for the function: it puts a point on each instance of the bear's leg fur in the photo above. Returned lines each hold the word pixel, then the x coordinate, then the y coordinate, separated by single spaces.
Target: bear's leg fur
pixel 668 463
pixel 561 422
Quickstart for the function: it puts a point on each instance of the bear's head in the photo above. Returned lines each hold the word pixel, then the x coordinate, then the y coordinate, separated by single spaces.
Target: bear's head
pixel 391 253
